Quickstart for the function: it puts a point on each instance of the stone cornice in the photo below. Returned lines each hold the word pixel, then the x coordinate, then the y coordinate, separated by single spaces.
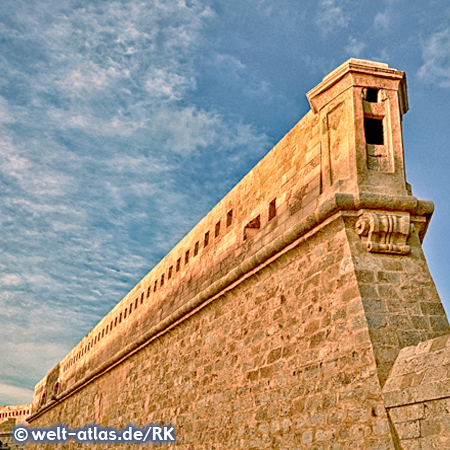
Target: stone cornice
pixel 357 66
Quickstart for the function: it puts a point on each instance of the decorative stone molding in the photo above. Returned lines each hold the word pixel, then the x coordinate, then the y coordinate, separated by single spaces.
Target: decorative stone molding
pixel 386 233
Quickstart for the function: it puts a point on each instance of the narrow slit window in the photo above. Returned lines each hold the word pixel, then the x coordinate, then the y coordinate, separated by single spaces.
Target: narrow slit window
pixel 178 264
pixel 136 304
pixel 162 280
pixel 169 275
pixel 252 228
pixel 148 291
pixel 374 131
pixel 142 298
pixel 272 209
pixel 186 257
pixel 196 248
pixel 120 318
pixel 131 307
pixel 371 95
pixel 155 286
pixel 217 229
pixel 125 313
pixel 229 218
pixel 206 239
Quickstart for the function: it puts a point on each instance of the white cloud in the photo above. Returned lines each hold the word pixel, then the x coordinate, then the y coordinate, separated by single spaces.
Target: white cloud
pixel 331 16
pixel 88 77
pixel 230 64
pixel 355 47
pixel 13 395
pixel 185 130
pixel 93 173
pixel 80 117
pixel 34 177
pixel 8 280
pixel 382 19
pixel 5 115
pixel 165 84
pixel 436 59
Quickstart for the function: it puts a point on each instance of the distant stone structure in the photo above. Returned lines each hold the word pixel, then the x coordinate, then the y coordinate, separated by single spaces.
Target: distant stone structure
pixel 18 412
pixel 10 416
pixel 298 314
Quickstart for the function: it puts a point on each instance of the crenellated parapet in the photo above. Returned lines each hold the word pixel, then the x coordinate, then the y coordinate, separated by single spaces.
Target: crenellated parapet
pixel 18 413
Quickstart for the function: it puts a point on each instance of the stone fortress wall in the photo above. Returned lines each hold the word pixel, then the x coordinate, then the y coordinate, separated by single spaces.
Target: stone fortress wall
pixel 10 416
pixel 417 395
pixel 17 412
pixel 276 321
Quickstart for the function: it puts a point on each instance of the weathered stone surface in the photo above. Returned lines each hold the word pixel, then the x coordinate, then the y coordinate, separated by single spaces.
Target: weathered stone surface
pixel 10 416
pixel 417 394
pixel 275 322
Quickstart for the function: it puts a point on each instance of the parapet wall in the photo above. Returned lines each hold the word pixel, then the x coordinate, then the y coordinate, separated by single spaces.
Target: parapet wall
pixel 10 416
pixel 17 412
pixel 275 321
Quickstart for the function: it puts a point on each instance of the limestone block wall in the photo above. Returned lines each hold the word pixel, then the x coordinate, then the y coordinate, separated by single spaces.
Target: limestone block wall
pixel 10 416
pixel 275 321
pixel 293 188
pixel 401 304
pixel 280 361
pixel 282 189
pixel 6 440
pixel 417 395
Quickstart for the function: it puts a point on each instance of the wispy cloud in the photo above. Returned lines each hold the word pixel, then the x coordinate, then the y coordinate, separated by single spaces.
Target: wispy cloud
pixel 88 78
pixel 123 122
pixel 355 47
pixel 382 19
pixel 96 132
pixel 13 395
pixel 331 16
pixel 436 59
pixel 168 85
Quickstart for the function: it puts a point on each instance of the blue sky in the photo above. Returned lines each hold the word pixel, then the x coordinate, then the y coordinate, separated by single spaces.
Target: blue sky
pixel 124 122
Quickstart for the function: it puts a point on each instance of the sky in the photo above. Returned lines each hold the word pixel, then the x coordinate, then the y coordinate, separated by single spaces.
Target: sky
pixel 122 123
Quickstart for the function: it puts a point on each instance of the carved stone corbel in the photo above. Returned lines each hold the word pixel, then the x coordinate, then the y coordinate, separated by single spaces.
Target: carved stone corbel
pixel 386 233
